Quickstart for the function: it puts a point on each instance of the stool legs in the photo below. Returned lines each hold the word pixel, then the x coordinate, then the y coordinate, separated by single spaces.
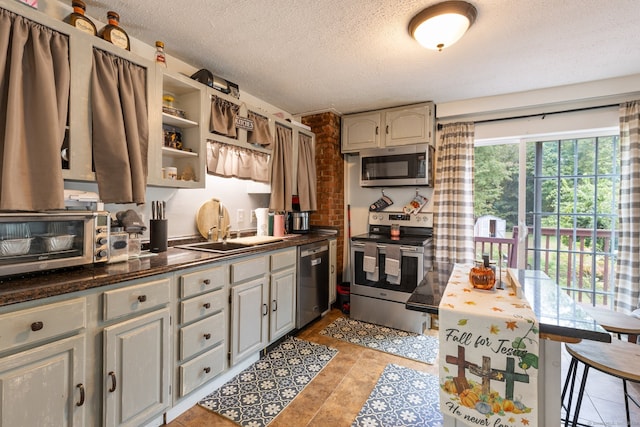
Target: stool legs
pixel 571 377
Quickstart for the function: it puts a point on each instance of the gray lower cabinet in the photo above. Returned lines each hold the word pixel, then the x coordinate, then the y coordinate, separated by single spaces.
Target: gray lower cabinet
pixel 136 352
pixel 44 386
pixel 263 301
pixel 282 293
pixel 42 367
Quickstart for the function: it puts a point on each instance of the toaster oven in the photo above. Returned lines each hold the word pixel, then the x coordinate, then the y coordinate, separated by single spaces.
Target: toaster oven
pixel 46 241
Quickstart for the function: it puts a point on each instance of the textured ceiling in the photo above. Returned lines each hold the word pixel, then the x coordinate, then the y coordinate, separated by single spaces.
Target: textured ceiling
pixel 356 55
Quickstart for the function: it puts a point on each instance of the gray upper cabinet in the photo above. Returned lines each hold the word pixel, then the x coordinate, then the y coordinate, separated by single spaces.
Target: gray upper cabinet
pixel 413 124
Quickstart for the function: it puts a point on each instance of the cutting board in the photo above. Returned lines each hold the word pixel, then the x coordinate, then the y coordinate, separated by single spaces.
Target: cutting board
pixel 255 240
pixel 208 216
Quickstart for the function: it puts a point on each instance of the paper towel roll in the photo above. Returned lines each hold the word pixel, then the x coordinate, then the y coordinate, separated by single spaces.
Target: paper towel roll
pixel 262 220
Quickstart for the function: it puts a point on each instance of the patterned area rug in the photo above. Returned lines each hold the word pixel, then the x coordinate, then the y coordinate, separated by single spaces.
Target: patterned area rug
pixel 402 397
pixel 255 396
pixel 422 348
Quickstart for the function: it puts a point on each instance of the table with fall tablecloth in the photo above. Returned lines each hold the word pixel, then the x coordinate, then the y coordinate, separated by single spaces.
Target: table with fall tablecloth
pixel 489 347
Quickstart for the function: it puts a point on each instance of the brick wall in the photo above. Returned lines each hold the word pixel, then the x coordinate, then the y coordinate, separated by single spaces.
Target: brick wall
pixel 330 170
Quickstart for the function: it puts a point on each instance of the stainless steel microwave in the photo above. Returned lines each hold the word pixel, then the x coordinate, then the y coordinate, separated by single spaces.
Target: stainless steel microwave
pixel 408 165
pixel 46 241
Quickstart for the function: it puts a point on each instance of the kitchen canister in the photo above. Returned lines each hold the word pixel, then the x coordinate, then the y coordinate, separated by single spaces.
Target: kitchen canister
pixel 278 225
pixel 262 220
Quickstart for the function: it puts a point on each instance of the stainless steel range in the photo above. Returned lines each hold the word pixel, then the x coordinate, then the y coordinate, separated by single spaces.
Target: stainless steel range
pixel 380 287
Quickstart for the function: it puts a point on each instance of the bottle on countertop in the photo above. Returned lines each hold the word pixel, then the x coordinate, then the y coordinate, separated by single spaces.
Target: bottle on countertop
pixel 113 33
pixel 78 20
pixel 160 56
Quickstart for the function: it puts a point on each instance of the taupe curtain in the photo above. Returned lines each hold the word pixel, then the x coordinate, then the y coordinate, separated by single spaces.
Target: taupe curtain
pixel 453 195
pixel 627 287
pixel 261 134
pixel 281 170
pixel 231 161
pixel 307 181
pixel 120 128
pixel 34 99
pixel 223 117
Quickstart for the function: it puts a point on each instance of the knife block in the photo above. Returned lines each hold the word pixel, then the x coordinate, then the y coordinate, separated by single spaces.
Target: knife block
pixel 158 235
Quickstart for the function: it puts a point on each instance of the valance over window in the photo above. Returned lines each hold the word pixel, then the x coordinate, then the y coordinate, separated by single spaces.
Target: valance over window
pixel 120 128
pixel 231 161
pixel 34 97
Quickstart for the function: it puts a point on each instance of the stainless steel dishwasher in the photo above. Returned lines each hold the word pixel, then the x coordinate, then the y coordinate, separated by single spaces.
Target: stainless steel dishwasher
pixel 313 282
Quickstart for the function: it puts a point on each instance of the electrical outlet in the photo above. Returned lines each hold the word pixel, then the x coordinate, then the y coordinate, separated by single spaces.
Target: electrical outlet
pixel 240 216
pixel 253 216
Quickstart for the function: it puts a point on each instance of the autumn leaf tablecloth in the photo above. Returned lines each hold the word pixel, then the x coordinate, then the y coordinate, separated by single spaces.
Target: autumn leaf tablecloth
pixel 488 355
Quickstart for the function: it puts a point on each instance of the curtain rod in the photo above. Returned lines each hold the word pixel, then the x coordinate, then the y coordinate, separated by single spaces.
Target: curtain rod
pixel 526 116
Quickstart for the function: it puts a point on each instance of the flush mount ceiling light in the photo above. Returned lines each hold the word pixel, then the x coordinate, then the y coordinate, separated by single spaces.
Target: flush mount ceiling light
pixel 443 24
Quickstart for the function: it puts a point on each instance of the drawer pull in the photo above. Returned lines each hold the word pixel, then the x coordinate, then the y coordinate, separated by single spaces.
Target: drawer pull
pixel 142 298
pixel 206 281
pixel 36 326
pixel 207 336
pixel 207 305
pixel 113 382
pixel 207 370
pixel 81 388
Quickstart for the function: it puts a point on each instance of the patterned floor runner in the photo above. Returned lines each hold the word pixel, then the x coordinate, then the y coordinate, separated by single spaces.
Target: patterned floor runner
pixel 255 396
pixel 422 348
pixel 402 397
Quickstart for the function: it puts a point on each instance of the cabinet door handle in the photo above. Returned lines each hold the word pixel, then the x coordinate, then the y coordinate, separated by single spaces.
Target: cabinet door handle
pixel 207 370
pixel 207 305
pixel 275 305
pixel 36 326
pixel 81 388
pixel 265 309
pixel 207 336
pixel 333 269
pixel 377 130
pixel 112 375
pixel 206 281
pixel 386 130
pixel 142 298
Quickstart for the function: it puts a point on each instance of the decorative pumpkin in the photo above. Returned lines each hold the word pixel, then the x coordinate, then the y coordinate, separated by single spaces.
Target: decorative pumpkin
pixel 483 407
pixel 482 277
pixel 508 405
pixel 450 387
pixel 469 398
pixel 496 407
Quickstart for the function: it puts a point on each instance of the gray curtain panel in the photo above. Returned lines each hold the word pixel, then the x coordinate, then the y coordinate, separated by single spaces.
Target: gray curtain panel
pixel 120 128
pixel 453 195
pixel 281 170
pixel 261 134
pixel 307 182
pixel 34 99
pixel 223 117
pixel 627 286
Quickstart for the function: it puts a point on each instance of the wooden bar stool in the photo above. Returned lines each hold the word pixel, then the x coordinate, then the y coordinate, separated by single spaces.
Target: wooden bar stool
pixel 615 322
pixel 620 359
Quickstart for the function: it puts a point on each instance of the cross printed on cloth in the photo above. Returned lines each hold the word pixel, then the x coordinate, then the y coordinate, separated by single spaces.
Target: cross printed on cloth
pixel 488 355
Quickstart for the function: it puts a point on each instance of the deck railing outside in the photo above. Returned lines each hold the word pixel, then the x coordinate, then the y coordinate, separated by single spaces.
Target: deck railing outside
pixel 566 255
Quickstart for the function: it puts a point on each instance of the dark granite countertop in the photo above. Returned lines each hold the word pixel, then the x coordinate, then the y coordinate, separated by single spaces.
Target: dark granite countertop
pixel 559 316
pixel 28 287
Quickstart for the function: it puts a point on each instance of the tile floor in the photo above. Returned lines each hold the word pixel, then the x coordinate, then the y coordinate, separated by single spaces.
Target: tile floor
pixel 336 395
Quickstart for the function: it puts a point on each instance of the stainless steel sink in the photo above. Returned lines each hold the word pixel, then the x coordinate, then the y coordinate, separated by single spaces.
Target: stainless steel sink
pixel 232 245
pixel 216 247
